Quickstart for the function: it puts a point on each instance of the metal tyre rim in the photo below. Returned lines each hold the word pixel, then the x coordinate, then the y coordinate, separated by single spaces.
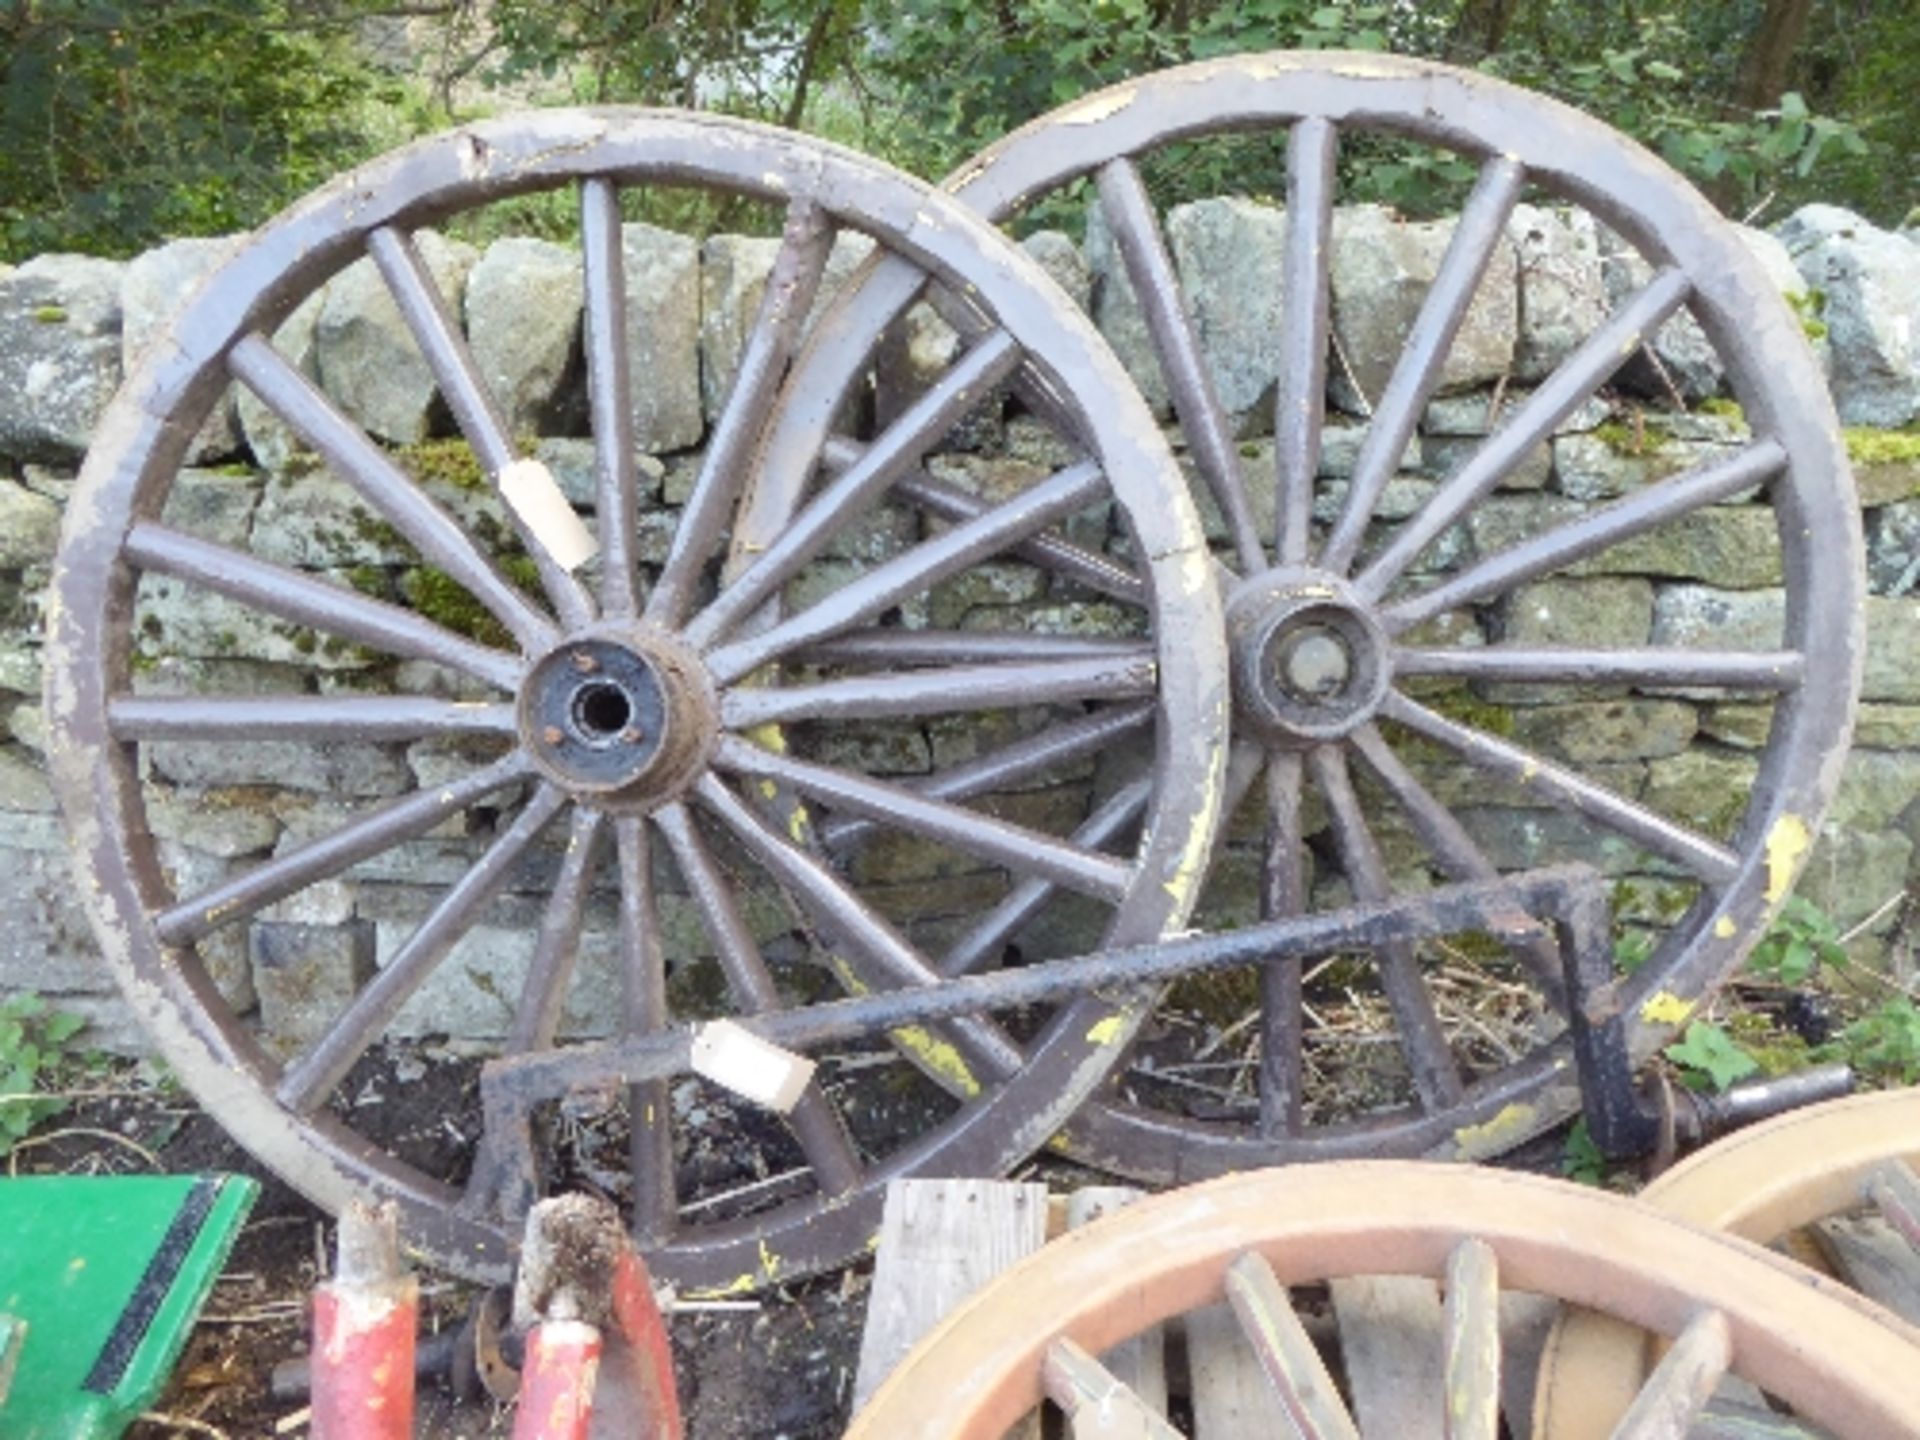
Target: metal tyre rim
pixel 641 711
pixel 1729 1307
pixel 1329 636
pixel 1760 1184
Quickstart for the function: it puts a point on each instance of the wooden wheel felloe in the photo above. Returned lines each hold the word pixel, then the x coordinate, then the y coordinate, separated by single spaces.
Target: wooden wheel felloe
pixel 1761 1184
pixel 1379 623
pixel 608 734
pixel 1727 1306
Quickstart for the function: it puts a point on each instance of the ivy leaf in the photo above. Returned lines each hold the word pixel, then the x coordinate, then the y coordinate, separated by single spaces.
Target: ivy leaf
pixel 1709 1051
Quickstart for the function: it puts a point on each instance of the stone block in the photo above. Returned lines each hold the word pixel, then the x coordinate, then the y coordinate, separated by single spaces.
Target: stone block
pixel 523 303
pixel 733 279
pixel 1892 670
pixel 1605 612
pixel 1605 464
pixel 1893 548
pixel 1852 873
pixel 1707 790
pixel 1056 253
pixel 1563 288
pixel 1381 268
pixel 305 976
pixel 1606 729
pixel 59 354
pixel 1230 254
pixel 216 505
pixel 46 945
pixel 29 526
pixel 1679 359
pixel 663 336
pixel 1870 283
pixel 1116 310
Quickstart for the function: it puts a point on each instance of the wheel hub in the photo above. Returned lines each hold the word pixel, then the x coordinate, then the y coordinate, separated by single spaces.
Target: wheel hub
pixel 622 716
pixel 1309 661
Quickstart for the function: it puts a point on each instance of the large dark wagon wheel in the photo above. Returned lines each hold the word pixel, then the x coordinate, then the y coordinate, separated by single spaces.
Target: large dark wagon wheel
pixel 1368 759
pixel 1722 1305
pixel 631 703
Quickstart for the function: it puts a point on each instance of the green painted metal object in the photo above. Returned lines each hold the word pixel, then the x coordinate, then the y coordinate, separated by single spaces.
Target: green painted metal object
pixel 105 1276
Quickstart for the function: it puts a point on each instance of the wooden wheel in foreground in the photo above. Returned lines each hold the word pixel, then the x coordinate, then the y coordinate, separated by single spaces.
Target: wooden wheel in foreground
pixel 1761 1184
pixel 1031 1337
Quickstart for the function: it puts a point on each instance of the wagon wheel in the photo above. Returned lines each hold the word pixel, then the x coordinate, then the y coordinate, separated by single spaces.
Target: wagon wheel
pixel 1368 756
pixel 1727 1306
pixel 1761 1184
pixel 631 704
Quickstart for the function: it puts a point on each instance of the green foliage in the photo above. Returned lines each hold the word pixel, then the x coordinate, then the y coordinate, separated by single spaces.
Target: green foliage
pixel 1581 1161
pixel 1884 1043
pixel 34 1041
pixel 1708 1056
pixel 1866 446
pixel 122 124
pixel 1802 938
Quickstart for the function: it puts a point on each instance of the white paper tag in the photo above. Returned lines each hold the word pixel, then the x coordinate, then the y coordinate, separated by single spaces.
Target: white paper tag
pixel 536 497
pixel 733 1056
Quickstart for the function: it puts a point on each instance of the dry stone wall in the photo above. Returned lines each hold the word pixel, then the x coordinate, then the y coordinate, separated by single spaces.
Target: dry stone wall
pixel 69 326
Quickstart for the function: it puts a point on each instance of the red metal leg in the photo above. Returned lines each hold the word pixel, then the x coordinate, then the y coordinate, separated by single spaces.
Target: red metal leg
pixel 364 1322
pixel 557 1381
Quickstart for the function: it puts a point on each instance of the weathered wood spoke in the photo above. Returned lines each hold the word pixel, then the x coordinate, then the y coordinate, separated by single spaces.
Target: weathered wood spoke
pixel 362 839
pixel 1707 859
pixel 1476 239
pixel 1436 1077
pixel 1097 1404
pixel 1287 1353
pixel 944 691
pixel 897 649
pixel 1283 892
pixel 609 390
pixel 1017 847
pixel 302 717
pixel 438 335
pixel 1555 549
pixel 1473 1342
pixel 1300 394
pixel 309 1079
pixel 536 1019
pixel 1136 234
pixel 919 568
pixel 967 382
pixel 1682 1383
pixel 1775 671
pixel 1560 394
pixel 643 990
pixel 816 1124
pixel 309 600
pixel 784 305
pixel 879 956
pixel 440 539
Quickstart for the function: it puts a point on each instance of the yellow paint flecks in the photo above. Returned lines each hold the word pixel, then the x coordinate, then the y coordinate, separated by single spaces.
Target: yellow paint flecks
pixel 1787 841
pixel 769 789
pixel 1664 1007
pixel 739 1285
pixel 769 1262
pixel 1724 928
pixel 1107 1031
pixel 767 737
pixel 1496 1134
pixel 937 1058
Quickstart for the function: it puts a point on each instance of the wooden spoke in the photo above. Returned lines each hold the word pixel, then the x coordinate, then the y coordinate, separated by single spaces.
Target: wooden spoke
pixel 1476 239
pixel 318 860
pixel 941 692
pixel 1706 859
pixel 911 573
pixel 1300 394
pixel 1473 1342
pixel 789 295
pixel 1020 849
pixel 609 390
pixel 1560 394
pixel 967 382
pixel 440 539
pixel 302 717
pixel 1592 533
pixel 880 956
pixel 815 1122
pixel 1283 892
pixel 1436 1078
pixel 643 988
pixel 438 335
pixel 1682 1383
pixel 309 600
pixel 308 1080
pixel 1769 670
pixel 536 1020
pixel 1287 1353
pixel 1098 1406
pixel 896 649
pixel 1136 234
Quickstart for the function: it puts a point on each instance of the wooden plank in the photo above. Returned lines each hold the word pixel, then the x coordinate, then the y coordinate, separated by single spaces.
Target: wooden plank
pixel 1098 1405
pixel 1393 1345
pixel 1875 1259
pixel 1230 1396
pixel 940 1241
pixel 1140 1363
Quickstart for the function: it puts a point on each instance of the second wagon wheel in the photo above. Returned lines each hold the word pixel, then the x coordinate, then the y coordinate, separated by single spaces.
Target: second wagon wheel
pixel 1472 632
pixel 583 758
pixel 1761 1184
pixel 1039 1332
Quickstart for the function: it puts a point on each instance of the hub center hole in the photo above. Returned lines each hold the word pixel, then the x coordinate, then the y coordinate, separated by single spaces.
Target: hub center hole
pixel 602 710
